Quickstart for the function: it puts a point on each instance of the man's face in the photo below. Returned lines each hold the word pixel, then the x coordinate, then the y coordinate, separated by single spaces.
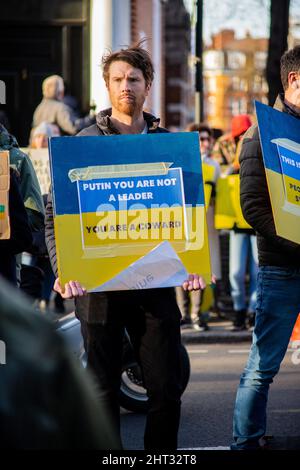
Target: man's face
pixel 205 142
pixel 127 88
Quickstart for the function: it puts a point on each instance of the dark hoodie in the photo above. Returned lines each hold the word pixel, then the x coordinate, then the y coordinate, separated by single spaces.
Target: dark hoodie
pixel 104 125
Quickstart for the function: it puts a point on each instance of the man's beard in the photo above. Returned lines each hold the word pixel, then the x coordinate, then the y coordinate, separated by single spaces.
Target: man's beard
pixel 128 107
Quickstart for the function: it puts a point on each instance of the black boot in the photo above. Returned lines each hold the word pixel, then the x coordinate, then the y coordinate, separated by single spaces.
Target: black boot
pixel 251 320
pixel 239 322
pixel 219 307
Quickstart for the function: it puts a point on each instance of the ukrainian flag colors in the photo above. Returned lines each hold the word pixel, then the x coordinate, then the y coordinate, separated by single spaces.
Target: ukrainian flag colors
pixel 279 136
pixel 116 198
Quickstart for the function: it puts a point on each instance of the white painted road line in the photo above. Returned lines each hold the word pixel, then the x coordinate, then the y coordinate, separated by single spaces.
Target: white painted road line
pixel 205 448
pixel 238 351
pixel 230 351
pixel 198 351
pixel 295 410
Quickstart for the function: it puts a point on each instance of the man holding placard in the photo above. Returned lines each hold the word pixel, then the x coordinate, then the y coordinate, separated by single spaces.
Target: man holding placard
pixel 278 286
pixel 150 316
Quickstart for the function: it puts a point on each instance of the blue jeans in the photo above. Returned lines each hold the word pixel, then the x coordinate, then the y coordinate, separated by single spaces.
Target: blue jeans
pixel 278 305
pixel 242 247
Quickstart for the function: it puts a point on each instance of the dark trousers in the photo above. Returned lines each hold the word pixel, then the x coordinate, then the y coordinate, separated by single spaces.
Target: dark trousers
pixel 152 320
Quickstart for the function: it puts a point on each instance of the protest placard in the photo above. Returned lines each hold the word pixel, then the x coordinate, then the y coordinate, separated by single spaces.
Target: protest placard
pixel 228 212
pixel 130 204
pixel 40 161
pixel 4 196
pixel 279 136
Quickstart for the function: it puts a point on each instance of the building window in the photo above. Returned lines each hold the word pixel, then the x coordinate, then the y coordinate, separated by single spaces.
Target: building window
pixel 238 106
pixel 257 84
pixel 235 83
pixel 260 60
pixel 211 84
pixel 236 60
pixel 211 106
pixel 244 85
pixel 243 106
pixel 234 107
pixel 213 60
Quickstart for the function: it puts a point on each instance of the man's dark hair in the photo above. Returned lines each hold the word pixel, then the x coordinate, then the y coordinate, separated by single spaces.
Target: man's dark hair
pixel 134 55
pixel 202 127
pixel 289 62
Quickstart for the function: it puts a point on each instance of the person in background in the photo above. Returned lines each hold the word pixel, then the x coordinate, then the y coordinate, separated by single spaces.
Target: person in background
pixel 71 100
pixel 278 284
pixel 242 248
pixel 216 134
pixel 29 185
pixel 20 234
pixel 39 140
pixel 53 110
pixel 190 302
pixel 30 277
pixel 226 146
pixel 39 135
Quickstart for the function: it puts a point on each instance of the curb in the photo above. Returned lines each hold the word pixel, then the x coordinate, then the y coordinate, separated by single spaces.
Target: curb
pixel 206 337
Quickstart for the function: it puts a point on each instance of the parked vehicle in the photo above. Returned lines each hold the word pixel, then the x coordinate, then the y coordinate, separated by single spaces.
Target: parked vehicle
pixel 133 396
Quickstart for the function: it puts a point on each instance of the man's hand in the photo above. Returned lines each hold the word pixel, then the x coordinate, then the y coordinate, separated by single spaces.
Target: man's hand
pixel 72 289
pixel 194 282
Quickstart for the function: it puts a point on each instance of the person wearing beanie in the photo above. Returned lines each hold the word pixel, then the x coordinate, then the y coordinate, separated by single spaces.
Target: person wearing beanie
pixel 225 149
pixel 239 125
pixel 242 247
pixel 190 303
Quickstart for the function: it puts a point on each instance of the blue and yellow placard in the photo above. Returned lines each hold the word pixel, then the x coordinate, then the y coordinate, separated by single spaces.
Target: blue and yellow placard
pixel 123 202
pixel 209 180
pixel 228 212
pixel 5 231
pixel 280 140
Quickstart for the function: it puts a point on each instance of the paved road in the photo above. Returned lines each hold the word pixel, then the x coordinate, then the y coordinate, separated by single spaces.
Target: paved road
pixel 209 399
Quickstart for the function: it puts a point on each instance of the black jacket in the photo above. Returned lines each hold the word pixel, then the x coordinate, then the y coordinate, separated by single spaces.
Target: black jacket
pixel 103 126
pixel 256 205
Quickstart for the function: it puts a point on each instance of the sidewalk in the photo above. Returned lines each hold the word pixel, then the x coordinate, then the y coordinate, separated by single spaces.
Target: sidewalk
pixel 219 332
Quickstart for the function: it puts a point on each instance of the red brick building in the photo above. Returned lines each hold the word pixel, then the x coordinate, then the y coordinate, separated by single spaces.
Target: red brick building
pixel 234 76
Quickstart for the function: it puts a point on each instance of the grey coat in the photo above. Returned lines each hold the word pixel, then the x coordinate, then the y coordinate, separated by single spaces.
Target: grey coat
pixel 56 112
